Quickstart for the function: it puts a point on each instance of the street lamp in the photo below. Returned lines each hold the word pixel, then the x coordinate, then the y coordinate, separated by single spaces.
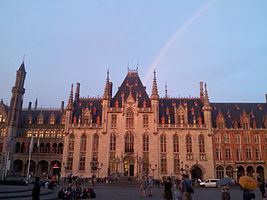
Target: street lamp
pixel 153 169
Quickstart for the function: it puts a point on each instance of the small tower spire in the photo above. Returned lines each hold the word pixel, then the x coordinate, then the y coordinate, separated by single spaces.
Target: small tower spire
pixel 166 90
pixel 107 87
pixel 36 104
pixel 154 94
pixel 201 90
pixel 70 102
pixel 206 91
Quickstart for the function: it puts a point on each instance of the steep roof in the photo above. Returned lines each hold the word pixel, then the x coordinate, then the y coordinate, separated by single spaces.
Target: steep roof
pixel 168 105
pixel 234 111
pixel 133 84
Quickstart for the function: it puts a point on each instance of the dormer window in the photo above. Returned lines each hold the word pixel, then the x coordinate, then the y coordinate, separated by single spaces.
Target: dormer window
pixel 63 120
pixel 2 119
pixel 29 120
pixel 40 120
pixel 52 119
pixel 245 125
pixel 220 123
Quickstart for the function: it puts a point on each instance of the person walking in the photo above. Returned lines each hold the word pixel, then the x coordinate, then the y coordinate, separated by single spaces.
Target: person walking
pixel 168 189
pixel 149 186
pixel 187 189
pixel 177 190
pixel 36 189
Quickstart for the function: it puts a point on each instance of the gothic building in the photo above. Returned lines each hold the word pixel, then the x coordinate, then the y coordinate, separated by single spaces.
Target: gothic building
pixel 133 133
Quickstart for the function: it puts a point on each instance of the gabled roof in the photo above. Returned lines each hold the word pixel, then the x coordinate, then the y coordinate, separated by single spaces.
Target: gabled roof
pixel 234 111
pixel 133 84
pixel 93 104
pixel 35 113
pixel 194 108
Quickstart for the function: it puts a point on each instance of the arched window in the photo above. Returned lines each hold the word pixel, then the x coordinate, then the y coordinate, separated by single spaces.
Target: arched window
pixel 40 119
pixel 47 148
pixel 52 119
pixel 188 141
pixel 95 142
pixel 129 118
pixel 201 143
pixel 71 142
pixel 42 148
pixel 220 172
pixel 163 143
pixel 129 142
pixel 17 148
pixel 83 142
pixel 145 142
pixel 112 142
pixel 60 148
pixel 175 143
pixel 230 171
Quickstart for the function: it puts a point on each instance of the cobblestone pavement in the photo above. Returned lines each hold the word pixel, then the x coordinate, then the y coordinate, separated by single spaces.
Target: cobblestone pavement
pixel 115 192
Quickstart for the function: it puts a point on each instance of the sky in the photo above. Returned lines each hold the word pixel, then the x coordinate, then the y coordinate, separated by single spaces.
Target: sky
pixel 220 42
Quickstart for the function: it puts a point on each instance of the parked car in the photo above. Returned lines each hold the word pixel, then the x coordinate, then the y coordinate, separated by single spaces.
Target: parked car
pixel 209 183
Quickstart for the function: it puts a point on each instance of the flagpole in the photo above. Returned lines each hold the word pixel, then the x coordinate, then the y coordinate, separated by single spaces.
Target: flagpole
pixel 30 155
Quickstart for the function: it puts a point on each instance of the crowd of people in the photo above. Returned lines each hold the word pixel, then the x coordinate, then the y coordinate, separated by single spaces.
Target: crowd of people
pixel 78 193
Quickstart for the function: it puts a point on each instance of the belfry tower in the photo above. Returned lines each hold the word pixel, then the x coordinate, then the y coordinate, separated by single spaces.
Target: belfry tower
pixel 14 113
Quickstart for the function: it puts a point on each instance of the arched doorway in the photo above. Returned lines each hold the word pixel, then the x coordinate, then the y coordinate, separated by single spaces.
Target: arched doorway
pixel 128 164
pixel 219 172
pixel 18 166
pixel 240 172
pixel 260 172
pixel 250 170
pixel 32 167
pixel 55 168
pixel 42 168
pixel 196 173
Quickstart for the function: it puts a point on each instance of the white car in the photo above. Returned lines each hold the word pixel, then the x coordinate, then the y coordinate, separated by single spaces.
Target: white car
pixel 209 183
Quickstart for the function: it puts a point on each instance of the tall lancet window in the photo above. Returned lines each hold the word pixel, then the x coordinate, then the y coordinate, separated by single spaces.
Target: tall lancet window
pixel 71 142
pixel 163 143
pixel 112 142
pixel 95 142
pixel 201 143
pixel 83 143
pixel 175 143
pixel 129 118
pixel 145 142
pixel 129 142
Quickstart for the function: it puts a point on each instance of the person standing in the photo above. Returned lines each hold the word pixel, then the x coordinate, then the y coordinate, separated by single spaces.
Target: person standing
pixel 149 186
pixel 225 189
pixel 187 188
pixel 168 189
pixel 36 189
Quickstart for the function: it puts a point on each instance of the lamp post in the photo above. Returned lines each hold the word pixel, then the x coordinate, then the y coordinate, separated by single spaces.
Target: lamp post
pixel 153 169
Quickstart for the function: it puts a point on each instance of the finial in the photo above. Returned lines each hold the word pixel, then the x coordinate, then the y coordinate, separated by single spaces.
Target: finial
pixel 166 90
pixel 154 94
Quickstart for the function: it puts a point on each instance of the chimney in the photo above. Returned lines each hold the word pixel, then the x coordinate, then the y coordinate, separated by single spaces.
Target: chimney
pixel 77 92
pixel 266 97
pixel 62 106
pixel 30 106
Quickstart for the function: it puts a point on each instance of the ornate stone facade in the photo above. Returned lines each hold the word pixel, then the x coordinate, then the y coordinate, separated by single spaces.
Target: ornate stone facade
pixel 133 134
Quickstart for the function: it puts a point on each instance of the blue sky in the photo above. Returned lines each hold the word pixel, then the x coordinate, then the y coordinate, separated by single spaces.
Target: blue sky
pixel 222 43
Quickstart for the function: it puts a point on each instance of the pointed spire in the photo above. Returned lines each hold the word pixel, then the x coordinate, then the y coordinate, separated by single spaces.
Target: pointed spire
pixel 154 94
pixel 166 90
pixel 22 66
pixel 36 104
pixel 107 86
pixel 70 102
pixel 201 90
pixel 206 92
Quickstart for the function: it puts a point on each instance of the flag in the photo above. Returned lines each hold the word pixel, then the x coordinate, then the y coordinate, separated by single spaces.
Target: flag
pixel 31 145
